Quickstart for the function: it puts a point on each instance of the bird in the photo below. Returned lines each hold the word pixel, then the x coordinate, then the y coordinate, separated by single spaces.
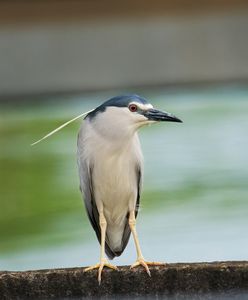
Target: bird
pixel 110 166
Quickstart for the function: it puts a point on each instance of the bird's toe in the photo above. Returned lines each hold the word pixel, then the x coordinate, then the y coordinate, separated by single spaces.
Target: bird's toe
pixel 145 264
pixel 100 266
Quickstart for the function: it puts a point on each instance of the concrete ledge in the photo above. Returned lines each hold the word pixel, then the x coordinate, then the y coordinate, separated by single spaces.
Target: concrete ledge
pixel 172 280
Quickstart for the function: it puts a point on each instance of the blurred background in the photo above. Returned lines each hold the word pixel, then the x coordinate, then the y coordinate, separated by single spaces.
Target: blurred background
pixel 61 58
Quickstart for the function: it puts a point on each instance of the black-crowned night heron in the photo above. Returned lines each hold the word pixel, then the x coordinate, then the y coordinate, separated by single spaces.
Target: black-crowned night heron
pixel 110 169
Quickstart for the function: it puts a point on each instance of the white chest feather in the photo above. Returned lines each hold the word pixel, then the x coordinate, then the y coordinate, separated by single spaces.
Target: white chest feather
pixel 115 183
pixel 114 174
pixel 115 161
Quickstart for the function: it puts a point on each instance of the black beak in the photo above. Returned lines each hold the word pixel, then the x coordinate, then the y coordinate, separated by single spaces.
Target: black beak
pixel 157 115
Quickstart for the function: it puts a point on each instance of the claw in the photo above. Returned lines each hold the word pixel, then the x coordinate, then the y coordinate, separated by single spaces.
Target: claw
pixel 100 266
pixel 142 262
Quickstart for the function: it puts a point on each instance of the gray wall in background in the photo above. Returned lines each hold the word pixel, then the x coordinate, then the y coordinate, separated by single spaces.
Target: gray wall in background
pixel 105 54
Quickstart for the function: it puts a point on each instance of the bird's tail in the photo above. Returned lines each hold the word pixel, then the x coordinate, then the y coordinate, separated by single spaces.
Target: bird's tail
pixel 113 249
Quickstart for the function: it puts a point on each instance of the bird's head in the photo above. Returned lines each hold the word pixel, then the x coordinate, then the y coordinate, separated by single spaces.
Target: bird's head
pixel 120 117
pixel 127 113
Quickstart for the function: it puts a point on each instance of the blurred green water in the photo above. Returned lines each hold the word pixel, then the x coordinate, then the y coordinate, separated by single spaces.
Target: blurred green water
pixel 195 188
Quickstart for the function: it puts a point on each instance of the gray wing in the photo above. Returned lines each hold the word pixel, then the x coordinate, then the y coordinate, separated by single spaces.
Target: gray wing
pixel 85 172
pixel 86 186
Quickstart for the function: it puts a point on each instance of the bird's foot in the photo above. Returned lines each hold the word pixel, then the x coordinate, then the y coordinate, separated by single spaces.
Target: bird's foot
pixel 145 264
pixel 103 263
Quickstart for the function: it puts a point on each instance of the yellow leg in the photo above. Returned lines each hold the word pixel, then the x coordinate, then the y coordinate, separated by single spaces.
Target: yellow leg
pixel 103 261
pixel 140 259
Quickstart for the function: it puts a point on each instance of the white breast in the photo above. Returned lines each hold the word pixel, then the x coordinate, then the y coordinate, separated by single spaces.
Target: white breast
pixel 115 183
pixel 114 177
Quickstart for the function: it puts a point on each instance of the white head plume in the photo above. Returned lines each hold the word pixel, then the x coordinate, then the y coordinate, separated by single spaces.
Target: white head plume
pixel 60 127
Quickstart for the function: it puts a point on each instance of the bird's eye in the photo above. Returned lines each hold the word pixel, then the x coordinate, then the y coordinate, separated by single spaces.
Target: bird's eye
pixel 133 107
